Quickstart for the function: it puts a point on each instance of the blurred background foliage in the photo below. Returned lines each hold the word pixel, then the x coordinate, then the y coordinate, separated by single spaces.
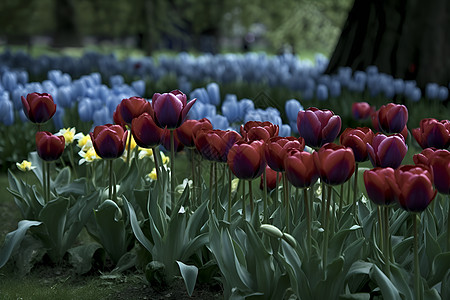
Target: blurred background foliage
pixel 303 26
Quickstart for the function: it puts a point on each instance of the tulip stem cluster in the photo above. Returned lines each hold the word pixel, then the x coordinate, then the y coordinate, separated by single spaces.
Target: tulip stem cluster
pixel 46 179
pixel 416 259
pixel 250 192
pixel 110 190
pixel 386 243
pixel 308 220
pixel 265 196
pixel 172 169
pixel 448 226
pixel 326 230
pixel 230 176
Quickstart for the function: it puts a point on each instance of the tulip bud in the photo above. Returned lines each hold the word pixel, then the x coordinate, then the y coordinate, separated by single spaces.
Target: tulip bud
pixel 246 159
pixel 38 108
pixel 170 109
pixel 356 139
pixel 276 147
pixel 189 129
pixel 433 133
pixel 49 147
pixel 300 168
pixel 440 165
pixel 377 187
pixel 109 140
pixel 318 127
pixel 387 151
pixel 361 110
pixel 145 132
pixel 256 130
pixel 392 118
pixel 336 164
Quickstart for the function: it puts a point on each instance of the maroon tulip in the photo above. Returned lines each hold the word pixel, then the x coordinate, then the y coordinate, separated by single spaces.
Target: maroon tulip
pixel 433 133
pixel 336 164
pixel 256 130
pixel 276 147
pixel 357 139
pixel 377 187
pixel 361 110
pixel 131 108
pixel 318 127
pixel 214 145
pixel 424 156
pixel 300 169
pixel 170 109
pixel 271 179
pixel 38 108
pixel 165 141
pixel 49 147
pixel 375 123
pixel 413 187
pixel 145 132
pixel 246 159
pixel 109 140
pixel 440 165
pixel 189 129
pixel 387 151
pixel 392 117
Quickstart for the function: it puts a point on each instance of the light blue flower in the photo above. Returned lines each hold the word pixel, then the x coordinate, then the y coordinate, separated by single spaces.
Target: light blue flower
pixel 85 109
pixel 443 93
pixel 292 107
pixel 219 122
pixel 432 90
pixel 65 96
pixel 9 80
pixel 102 116
pixel 285 130
pixel 7 115
pixel 335 88
pixel 245 105
pixel 230 108
pixel 201 94
pixel 213 93
pixel 139 87
pixel 322 92
pixel 116 80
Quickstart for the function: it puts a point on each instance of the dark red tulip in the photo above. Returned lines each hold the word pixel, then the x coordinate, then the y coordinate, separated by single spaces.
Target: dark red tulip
pixel 424 156
pixel 165 141
pixel 246 159
pixel 131 108
pixel 256 130
pixel 39 108
pixel 440 165
pixel 300 169
pixel 49 146
pixel 433 133
pixel 145 132
pixel 170 109
pixel 361 110
pixel 214 145
pixel 276 147
pixel 377 187
pixel 392 117
pixel 387 151
pixel 357 139
pixel 413 187
pixel 335 163
pixel 189 129
pixel 271 179
pixel 318 127
pixel 375 123
pixel 109 140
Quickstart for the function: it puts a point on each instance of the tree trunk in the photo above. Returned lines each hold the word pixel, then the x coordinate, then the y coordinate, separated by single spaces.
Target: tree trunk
pixel 408 39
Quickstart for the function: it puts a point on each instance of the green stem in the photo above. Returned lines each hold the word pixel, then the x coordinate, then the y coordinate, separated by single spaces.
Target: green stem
pixel 326 233
pixel 286 200
pixel 216 189
pixel 243 199
pixel 110 162
pixel 323 202
pixel 355 188
pixel 387 259
pixel 72 160
pixel 157 166
pixel 416 259
pixel 265 196
pixel 194 183
pixel 448 225
pixel 341 202
pixel 380 223
pixel 48 181
pixel 308 220
pixel 230 174
pixel 129 149
pixel 250 192
pixel 172 169
pixel 211 180
pixel 276 191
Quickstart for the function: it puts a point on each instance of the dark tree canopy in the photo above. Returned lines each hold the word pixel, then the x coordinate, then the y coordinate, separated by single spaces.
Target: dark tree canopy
pixel 408 39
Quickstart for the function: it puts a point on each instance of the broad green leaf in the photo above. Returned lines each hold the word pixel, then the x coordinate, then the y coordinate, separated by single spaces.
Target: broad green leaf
pixel 62 179
pixel 388 289
pixel 359 268
pixel 399 280
pixel 440 267
pixel 81 257
pixel 137 229
pixel 14 238
pixel 357 296
pixel 189 274
pixel 77 187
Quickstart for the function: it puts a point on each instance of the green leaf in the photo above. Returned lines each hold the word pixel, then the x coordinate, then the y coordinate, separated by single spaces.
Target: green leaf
pixel 357 296
pixel 81 257
pixel 388 289
pixel 77 187
pixel 359 268
pixel 399 280
pixel 189 274
pixel 138 233
pixel 439 268
pixel 62 179
pixel 14 238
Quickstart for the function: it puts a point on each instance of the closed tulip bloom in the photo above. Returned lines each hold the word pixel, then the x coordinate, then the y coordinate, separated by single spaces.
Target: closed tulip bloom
pixel 361 110
pixel 271 179
pixel 440 165
pixel 214 145
pixel 145 132
pixel 433 133
pixel 109 140
pixel 189 129
pixel 246 159
pixel 49 146
pixel 256 130
pixel 38 108
pixel 131 108
pixel 170 109
pixel 300 168
pixel 424 156
pixel 357 139
pixel 413 187
pixel 318 127
pixel 392 117
pixel 276 147
pixel 335 163
pixel 165 141
pixel 387 151
pixel 377 187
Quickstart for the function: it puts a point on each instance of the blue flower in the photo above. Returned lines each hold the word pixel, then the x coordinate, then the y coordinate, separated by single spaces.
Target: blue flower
pixel 213 93
pixel 116 80
pixel 102 116
pixel 9 80
pixel 443 93
pixel 7 115
pixel 139 87
pixel 219 122
pixel 432 90
pixel 65 96
pixel 292 107
pixel 285 130
pixel 245 105
pixel 85 109
pixel 335 88
pixel 201 94
pixel 322 92
pixel 230 108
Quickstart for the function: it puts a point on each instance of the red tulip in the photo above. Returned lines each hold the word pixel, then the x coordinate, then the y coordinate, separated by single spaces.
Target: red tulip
pixel 189 129
pixel 276 148
pixel 440 165
pixel 131 108
pixel 165 140
pixel 300 168
pixel 145 132
pixel 413 187
pixel 170 109
pixel 214 145
pixel 49 147
pixel 318 127
pixel 392 117
pixel 38 108
pixel 271 179
pixel 361 110
pixel 387 151
pixel 255 130
pixel 356 139
pixel 424 156
pixel 246 159
pixel 433 133
pixel 109 140
pixel 377 187
pixel 336 164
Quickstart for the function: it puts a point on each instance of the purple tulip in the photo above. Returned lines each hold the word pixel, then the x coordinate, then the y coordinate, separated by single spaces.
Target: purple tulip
pixel 318 127
pixel 387 151
pixel 170 109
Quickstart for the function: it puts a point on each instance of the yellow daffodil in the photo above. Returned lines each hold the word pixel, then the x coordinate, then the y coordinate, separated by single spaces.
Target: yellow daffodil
pixel 133 142
pixel 68 133
pixel 165 159
pixel 152 175
pixel 25 166
pixel 144 152
pixel 88 156
pixel 84 141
